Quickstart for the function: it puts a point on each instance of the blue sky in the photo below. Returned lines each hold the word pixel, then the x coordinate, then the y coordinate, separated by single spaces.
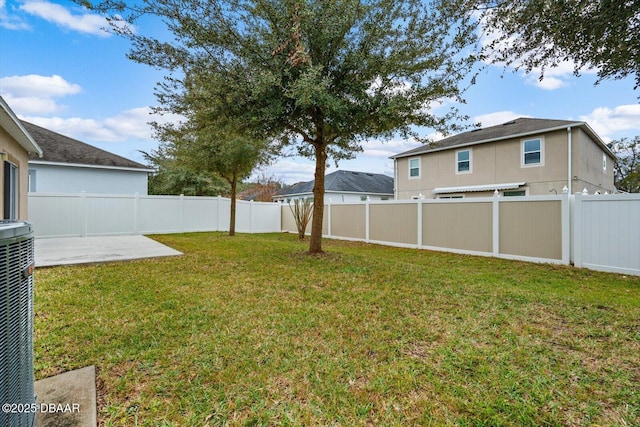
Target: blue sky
pixel 61 70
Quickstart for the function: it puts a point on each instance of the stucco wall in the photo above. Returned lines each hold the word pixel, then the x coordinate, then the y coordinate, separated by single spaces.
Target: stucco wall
pixel 588 165
pixel 501 162
pixel 18 156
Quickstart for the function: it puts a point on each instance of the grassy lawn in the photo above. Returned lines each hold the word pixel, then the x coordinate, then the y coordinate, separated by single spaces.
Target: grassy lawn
pixel 249 331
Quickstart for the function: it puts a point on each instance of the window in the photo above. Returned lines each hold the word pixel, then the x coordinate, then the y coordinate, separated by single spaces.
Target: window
pixel 414 168
pixel 451 197
pixel 463 161
pixel 515 193
pixel 532 152
pixel 604 162
pixel 10 191
pixel 32 180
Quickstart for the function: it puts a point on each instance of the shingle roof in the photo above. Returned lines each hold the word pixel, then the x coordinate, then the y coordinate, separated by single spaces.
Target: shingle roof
pixel 347 182
pixel 514 128
pixel 58 148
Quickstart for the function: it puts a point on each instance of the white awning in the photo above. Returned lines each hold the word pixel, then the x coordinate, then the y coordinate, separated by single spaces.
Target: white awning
pixel 487 187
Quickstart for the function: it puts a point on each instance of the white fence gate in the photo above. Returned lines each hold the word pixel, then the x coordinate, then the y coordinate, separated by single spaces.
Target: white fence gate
pixel 82 214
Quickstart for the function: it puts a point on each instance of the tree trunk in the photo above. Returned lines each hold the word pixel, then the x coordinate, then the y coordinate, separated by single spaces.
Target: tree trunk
pixel 315 243
pixel 232 216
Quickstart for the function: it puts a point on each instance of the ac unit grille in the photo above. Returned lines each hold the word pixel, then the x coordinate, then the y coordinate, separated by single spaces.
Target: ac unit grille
pixel 16 322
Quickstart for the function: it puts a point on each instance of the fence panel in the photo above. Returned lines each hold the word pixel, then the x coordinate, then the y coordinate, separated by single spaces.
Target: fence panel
pixel 531 228
pixel 109 215
pixel 606 232
pixel 462 225
pixel 348 221
pixel 60 214
pixel 394 223
pixel 56 214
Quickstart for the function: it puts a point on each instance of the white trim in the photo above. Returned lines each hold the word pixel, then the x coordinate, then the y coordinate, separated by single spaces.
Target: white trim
pixel 79 165
pixel 522 152
pixel 485 187
pixel 604 161
pixel 459 172
pixel 419 168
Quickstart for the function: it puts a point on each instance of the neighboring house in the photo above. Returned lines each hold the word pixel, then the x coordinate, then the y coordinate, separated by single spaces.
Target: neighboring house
pixel 343 186
pixel 521 157
pixel 71 166
pixel 15 144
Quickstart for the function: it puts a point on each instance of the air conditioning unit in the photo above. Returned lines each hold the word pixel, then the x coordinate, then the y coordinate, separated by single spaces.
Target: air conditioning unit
pixel 16 324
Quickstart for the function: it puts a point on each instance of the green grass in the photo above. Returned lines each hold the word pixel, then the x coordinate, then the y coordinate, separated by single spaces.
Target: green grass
pixel 250 331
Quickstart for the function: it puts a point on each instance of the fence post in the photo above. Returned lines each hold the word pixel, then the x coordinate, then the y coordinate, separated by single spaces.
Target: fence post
pixel 577 213
pixel 496 223
pixel 218 213
pixel 250 216
pixel 181 201
pixel 329 218
pixel 566 228
pixel 366 220
pixel 136 214
pixel 419 204
pixel 83 213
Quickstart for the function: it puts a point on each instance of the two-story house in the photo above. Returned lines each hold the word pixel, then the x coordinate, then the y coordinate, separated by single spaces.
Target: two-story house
pixel 521 157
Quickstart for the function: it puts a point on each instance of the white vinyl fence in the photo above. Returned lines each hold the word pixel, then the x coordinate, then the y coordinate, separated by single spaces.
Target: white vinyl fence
pixel 604 229
pixel 606 232
pixel 82 214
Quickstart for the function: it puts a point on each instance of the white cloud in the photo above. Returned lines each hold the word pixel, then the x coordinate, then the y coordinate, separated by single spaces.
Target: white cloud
pixel 497 118
pixel 129 125
pixel 11 21
pixel 289 170
pixel 83 22
pixel 34 94
pixel 609 122
pixel 36 85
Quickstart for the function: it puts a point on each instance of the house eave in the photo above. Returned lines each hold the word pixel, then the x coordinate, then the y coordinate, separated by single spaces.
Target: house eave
pixel 9 121
pixel 475 188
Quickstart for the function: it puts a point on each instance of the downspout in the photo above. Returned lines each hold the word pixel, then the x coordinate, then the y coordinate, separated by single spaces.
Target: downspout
pixel 569 171
pixel 395 179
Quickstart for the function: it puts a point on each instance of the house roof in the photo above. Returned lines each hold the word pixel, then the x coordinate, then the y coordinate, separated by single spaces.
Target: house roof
pixel 345 182
pixel 12 125
pixel 513 129
pixel 60 149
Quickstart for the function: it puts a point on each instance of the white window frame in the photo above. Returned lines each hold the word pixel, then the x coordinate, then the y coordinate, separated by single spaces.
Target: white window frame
pixel 604 162
pixel 452 196
pixel 419 168
pixel 526 192
pixel 522 152
pixel 11 190
pixel 458 171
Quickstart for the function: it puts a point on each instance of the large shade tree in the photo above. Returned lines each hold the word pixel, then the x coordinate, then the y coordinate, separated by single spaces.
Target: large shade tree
pixel 536 35
pixel 319 75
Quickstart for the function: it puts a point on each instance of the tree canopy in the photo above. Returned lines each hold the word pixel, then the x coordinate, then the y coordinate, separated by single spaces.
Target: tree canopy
pixel 536 35
pixel 627 167
pixel 322 76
